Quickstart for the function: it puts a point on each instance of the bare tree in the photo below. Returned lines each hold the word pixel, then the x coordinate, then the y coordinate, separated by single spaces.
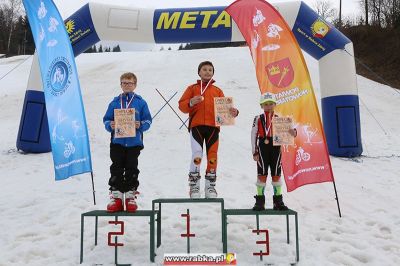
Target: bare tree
pixel 325 9
pixel 364 4
pixel 340 13
pixel 12 10
pixel 381 13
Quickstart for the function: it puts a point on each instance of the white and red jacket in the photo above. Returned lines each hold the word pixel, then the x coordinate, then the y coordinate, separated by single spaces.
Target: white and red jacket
pixel 262 127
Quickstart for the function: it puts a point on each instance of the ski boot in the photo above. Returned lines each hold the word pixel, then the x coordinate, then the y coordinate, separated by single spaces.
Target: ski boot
pixel 194 185
pixel 130 201
pixel 116 201
pixel 209 188
pixel 278 203
pixel 260 203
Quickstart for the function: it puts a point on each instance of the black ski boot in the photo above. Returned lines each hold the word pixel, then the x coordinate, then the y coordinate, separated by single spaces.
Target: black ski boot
pixel 260 203
pixel 278 203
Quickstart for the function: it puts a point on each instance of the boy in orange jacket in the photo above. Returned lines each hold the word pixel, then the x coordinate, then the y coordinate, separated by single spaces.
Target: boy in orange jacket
pixel 198 102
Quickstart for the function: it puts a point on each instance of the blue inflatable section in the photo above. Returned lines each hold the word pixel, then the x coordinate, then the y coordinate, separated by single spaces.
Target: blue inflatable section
pixel 33 133
pixel 81 31
pixel 341 117
pixel 316 36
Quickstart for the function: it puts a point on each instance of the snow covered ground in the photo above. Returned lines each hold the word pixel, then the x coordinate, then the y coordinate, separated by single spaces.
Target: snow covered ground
pixel 40 218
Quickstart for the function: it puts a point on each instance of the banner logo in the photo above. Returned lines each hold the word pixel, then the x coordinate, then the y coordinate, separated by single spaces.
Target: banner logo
pixel 271 47
pixel 70 26
pixel 42 11
pixel 192 25
pixel 53 24
pixel 320 28
pixel 258 18
pixel 256 40
pixel 273 31
pixel 301 155
pixel 280 73
pixel 59 76
pixel 69 149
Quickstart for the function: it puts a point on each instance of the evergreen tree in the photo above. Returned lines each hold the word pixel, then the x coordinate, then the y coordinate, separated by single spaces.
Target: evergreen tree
pixel 116 48
pixel 89 50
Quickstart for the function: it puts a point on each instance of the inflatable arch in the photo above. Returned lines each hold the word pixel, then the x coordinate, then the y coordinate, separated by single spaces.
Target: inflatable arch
pixel 94 22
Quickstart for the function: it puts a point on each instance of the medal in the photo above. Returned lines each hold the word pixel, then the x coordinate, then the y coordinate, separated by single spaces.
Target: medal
pixel 266 141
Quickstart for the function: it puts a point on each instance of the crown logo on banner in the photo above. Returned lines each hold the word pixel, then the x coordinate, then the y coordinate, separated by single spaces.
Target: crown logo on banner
pixel 280 73
pixel 274 70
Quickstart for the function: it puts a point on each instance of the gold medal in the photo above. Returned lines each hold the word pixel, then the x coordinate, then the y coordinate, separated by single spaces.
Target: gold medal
pixel 266 141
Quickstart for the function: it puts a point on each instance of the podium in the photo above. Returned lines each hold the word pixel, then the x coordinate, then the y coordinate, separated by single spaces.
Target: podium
pixel 183 200
pixel 102 213
pixel 154 216
pixel 232 212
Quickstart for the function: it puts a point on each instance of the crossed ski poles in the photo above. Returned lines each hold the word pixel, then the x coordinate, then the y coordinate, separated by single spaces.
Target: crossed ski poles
pixel 167 103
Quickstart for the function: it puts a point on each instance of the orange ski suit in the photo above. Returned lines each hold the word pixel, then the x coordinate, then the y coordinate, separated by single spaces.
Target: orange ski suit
pixel 202 124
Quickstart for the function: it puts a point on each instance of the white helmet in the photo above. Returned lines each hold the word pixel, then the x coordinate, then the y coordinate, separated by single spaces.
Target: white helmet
pixel 267 97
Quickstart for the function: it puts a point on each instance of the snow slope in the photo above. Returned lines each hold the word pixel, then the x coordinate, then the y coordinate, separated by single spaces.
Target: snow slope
pixel 40 221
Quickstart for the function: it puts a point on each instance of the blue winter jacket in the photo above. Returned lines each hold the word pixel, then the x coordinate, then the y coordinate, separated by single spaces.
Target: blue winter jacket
pixel 142 115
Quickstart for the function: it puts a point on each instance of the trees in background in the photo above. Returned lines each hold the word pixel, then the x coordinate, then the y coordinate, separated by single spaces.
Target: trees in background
pixel 325 9
pixel 381 13
pixel 94 49
pixel 15 34
pixel 12 13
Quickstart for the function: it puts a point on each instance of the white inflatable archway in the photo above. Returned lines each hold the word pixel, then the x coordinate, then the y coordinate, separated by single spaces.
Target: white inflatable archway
pixel 95 22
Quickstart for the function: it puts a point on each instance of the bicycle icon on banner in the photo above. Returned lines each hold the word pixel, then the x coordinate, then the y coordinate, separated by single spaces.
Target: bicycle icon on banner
pixel 69 149
pixel 301 155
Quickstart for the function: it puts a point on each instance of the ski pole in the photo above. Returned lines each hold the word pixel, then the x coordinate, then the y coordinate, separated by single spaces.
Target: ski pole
pixel 171 107
pixel 164 105
pixel 184 123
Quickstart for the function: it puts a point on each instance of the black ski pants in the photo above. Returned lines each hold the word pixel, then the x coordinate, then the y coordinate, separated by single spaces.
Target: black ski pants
pixel 124 168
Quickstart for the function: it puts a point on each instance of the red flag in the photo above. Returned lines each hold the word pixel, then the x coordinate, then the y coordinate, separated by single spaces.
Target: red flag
pixel 281 69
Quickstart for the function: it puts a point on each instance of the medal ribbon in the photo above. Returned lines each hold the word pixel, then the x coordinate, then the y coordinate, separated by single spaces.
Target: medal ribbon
pixel 127 103
pixel 269 126
pixel 201 86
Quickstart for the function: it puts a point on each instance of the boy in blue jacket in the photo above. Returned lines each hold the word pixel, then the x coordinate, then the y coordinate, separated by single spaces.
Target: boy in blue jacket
pixel 124 152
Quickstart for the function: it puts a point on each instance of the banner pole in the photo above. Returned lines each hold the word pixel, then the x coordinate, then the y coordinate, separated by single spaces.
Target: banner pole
pixel 171 108
pixel 94 192
pixel 337 199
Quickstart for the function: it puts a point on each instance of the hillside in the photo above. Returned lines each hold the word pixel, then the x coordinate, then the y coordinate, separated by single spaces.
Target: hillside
pixel 378 49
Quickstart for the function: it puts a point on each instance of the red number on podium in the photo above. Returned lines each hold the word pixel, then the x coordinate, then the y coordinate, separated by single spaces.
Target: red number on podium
pixel 110 234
